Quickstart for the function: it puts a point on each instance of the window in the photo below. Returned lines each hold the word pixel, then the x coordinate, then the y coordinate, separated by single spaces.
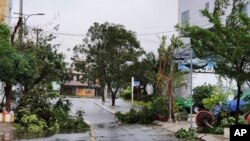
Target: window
pixel 207 5
pixel 185 17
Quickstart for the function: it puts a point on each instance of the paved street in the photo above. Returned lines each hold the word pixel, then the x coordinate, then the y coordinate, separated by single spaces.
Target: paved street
pixel 106 128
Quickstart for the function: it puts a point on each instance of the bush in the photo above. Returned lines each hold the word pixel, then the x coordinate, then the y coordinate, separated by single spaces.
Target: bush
pixel 226 122
pixel 160 105
pixel 126 94
pixel 186 134
pixel 216 97
pixel 202 92
pixel 144 116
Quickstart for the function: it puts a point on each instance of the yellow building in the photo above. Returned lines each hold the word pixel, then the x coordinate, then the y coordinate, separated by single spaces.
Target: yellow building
pixel 5 8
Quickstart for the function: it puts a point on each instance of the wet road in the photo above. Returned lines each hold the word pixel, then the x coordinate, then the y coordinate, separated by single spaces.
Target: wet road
pixel 104 127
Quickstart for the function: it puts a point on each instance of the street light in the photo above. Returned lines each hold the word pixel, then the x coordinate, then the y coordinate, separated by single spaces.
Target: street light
pixel 25 20
pixel 29 15
pixel 37 14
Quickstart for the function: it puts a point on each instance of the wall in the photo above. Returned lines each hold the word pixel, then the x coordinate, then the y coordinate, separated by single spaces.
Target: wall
pixel 5 11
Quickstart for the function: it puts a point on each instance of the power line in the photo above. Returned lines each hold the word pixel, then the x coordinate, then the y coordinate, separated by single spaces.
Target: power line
pixel 8 16
pixel 66 34
pixel 82 35
pixel 145 34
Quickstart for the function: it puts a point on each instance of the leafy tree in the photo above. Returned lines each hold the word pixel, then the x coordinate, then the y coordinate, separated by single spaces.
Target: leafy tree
pixel 225 42
pixel 108 48
pixel 7 66
pixel 201 92
pixel 39 65
pixel 30 65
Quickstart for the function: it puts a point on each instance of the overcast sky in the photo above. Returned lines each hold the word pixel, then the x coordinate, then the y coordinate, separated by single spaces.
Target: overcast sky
pixel 75 17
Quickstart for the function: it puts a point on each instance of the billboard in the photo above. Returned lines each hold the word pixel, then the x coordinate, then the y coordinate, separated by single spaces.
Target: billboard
pixel 85 92
pixel 4 11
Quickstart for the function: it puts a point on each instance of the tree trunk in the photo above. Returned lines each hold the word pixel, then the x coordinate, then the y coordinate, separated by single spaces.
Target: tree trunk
pixel 113 95
pixel 7 90
pixel 101 90
pixel 26 89
pixel 238 104
pixel 61 90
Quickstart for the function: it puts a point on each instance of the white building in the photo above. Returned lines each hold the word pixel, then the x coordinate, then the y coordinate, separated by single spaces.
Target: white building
pixel 189 11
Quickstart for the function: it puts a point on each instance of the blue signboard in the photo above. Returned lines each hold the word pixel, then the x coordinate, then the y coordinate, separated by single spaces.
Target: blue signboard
pixel 136 83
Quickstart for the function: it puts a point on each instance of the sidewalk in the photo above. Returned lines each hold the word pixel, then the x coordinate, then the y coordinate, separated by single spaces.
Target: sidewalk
pixel 125 106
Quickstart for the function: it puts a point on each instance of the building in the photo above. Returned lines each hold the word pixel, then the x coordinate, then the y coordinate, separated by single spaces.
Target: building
pixel 75 87
pixel 189 12
pixel 5 11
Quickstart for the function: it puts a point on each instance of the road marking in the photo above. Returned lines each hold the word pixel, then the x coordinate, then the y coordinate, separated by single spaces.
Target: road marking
pixel 91 133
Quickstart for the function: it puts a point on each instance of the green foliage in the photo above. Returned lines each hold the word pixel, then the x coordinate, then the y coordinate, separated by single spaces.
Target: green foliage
pixel 186 134
pixel 8 57
pixel 226 42
pixel 31 123
pixel 108 48
pixel 214 130
pixel 160 105
pixel 27 64
pixel 144 116
pixel 217 97
pixel 126 94
pixel 202 92
pixel 36 113
pixel 143 104
pixel 226 122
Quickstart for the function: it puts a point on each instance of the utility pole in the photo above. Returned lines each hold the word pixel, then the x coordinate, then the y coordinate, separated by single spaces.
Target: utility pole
pixel 170 91
pixel 37 30
pixel 191 87
pixel 132 89
pixel 21 21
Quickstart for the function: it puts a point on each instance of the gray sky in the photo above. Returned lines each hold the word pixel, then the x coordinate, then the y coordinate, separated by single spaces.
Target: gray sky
pixel 76 16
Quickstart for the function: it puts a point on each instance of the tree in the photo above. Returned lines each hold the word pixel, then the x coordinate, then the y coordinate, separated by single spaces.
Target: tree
pixel 108 48
pixel 30 66
pixel 7 66
pixel 227 43
pixel 38 65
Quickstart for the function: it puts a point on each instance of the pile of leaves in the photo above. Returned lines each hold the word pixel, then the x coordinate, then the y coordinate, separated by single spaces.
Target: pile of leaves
pixel 37 113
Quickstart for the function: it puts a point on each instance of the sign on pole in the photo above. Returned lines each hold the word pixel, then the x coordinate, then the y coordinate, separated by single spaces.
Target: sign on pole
pixel 132 89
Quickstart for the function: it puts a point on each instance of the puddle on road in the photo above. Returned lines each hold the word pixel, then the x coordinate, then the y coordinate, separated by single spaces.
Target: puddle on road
pixel 109 125
pixel 62 136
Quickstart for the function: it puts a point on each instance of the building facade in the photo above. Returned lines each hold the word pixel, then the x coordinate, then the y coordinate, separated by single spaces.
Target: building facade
pixel 189 12
pixel 5 11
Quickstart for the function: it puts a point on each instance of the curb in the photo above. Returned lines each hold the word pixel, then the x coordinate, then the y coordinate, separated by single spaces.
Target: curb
pixel 104 107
